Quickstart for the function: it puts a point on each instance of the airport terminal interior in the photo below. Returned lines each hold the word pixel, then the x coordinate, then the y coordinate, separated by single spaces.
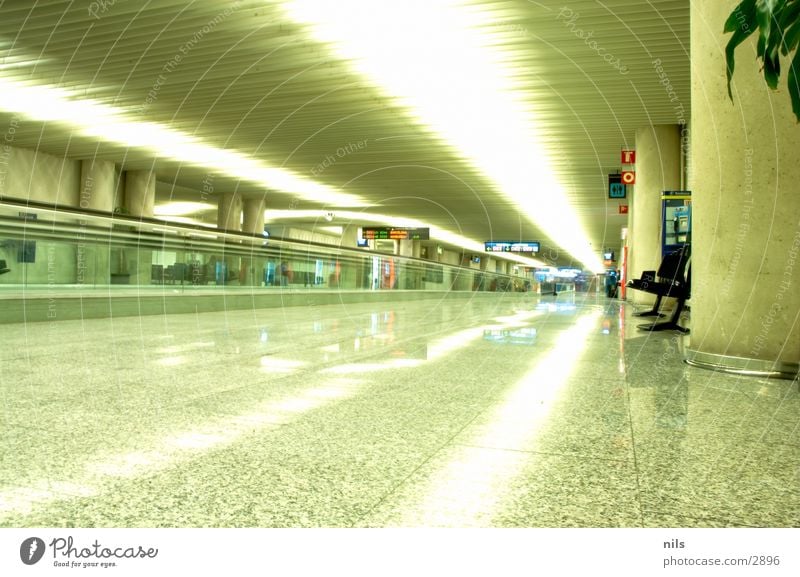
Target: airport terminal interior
pixel 458 263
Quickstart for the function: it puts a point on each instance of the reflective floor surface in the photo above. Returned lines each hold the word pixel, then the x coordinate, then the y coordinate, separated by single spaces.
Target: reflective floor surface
pixel 507 411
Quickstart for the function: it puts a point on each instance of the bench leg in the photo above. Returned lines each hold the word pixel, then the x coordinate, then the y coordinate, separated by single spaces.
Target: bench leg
pixel 651 313
pixel 671 324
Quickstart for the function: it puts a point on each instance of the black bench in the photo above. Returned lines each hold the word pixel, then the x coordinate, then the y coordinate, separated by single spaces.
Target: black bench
pixel 673 279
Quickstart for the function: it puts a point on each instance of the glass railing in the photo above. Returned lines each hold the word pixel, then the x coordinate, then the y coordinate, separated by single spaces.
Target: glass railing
pixel 47 247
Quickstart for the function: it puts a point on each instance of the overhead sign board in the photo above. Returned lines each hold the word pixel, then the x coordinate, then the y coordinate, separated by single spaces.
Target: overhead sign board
pixel 615 187
pixel 676 194
pixel 511 246
pixel 394 233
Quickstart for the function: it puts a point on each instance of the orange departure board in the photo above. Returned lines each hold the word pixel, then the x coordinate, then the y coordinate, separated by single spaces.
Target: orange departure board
pixel 394 233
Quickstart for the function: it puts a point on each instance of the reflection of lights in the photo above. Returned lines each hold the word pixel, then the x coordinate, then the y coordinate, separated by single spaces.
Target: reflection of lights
pixel 172 350
pixel 556 307
pixel 171 361
pixel 518 318
pixel 295 405
pixel 182 445
pixel 197 441
pixel 466 491
pixel 275 364
pixel 521 336
pixel 355 368
pixel 450 343
pixel 263 335
pixel 481 75
pixel 334 348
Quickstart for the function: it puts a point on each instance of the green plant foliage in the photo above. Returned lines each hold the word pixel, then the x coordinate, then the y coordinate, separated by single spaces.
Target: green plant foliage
pixel 777 23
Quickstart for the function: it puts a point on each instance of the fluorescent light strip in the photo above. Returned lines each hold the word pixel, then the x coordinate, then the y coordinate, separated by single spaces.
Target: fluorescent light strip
pixel 111 125
pixel 182 208
pixel 436 60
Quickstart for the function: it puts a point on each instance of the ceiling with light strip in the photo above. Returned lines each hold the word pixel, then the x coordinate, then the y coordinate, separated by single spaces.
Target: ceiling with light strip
pixel 487 120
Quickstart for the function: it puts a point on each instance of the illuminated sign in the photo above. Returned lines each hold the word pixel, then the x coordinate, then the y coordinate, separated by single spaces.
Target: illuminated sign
pixel 615 187
pixel 628 157
pixel 511 246
pixel 628 177
pixel 394 233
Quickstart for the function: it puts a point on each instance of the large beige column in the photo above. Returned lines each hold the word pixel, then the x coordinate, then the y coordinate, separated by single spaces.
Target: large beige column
pixel 350 268
pixel 98 186
pixel 746 207
pixel 140 193
pixel 229 218
pixel 253 216
pixel 38 176
pixel 406 248
pixel 253 223
pixel 140 199
pixel 229 212
pixel 658 168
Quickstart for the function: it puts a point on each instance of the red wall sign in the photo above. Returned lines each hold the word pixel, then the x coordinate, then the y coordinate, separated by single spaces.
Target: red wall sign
pixel 628 177
pixel 628 157
pixel 623 209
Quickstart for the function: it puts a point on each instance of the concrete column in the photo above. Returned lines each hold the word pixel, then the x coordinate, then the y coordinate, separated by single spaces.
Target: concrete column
pixel 229 218
pixel 229 212
pixel 98 186
pixel 140 193
pixel 140 199
pixel 746 221
pixel 254 216
pixel 253 224
pixel 350 269
pixel 406 248
pixel 658 168
pixel 37 176
pixel 349 236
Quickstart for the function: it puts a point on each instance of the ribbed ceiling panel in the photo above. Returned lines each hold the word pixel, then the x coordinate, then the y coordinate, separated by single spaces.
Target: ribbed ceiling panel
pixel 252 81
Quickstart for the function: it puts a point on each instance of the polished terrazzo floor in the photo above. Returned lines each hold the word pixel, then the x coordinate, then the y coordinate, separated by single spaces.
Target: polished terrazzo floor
pixel 499 411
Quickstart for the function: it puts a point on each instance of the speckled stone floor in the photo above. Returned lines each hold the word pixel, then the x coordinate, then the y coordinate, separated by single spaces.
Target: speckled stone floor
pixel 498 412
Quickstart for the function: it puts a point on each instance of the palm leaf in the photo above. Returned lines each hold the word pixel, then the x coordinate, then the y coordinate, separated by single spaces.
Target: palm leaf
pixel 794 85
pixel 742 22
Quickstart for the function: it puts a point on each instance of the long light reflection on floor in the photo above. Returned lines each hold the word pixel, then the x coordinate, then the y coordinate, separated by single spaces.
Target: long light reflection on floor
pixel 466 490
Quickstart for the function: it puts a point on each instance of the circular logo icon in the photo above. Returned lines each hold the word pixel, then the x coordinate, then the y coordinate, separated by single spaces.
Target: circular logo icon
pixel 31 550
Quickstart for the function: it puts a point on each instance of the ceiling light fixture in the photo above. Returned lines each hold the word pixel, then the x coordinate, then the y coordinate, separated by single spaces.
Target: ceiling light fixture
pixel 436 60
pixel 108 124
